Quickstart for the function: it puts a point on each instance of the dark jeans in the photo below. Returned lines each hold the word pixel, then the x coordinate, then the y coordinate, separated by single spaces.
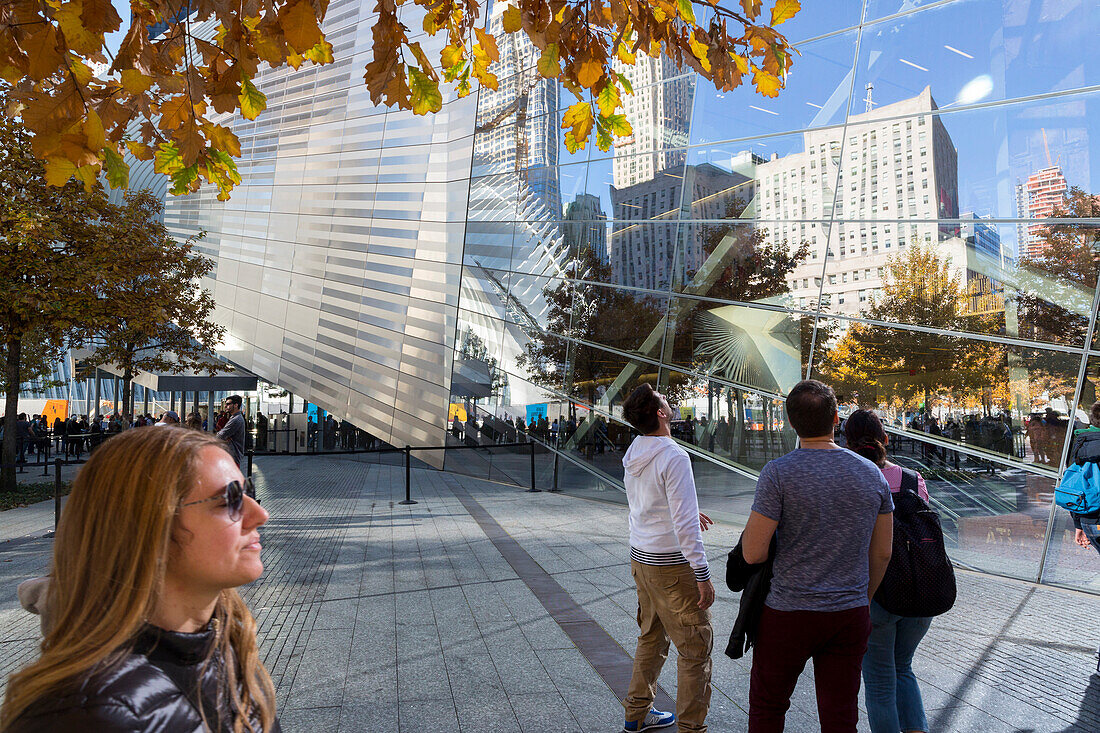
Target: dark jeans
pixel 1091 531
pixel 835 640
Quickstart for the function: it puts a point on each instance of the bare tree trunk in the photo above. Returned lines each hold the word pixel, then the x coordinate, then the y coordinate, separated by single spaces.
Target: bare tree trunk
pixel 127 392
pixel 11 411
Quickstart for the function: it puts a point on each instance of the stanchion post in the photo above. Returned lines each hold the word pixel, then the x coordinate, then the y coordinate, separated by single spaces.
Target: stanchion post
pixel 533 490
pixel 555 487
pixel 56 492
pixel 250 453
pixel 408 476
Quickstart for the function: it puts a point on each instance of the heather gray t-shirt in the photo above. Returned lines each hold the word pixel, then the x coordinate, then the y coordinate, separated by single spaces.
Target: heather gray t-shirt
pixel 826 503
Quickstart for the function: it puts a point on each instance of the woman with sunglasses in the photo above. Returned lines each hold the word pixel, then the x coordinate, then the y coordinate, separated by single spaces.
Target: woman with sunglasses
pixel 145 628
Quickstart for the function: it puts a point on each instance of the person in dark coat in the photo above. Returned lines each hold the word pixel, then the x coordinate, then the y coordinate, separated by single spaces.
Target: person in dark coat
pixel 144 628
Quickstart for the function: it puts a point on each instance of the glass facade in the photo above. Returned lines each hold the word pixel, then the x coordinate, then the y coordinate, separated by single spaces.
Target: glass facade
pixel 913 220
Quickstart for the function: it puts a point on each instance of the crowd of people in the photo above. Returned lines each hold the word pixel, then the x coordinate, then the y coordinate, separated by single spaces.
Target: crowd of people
pixel 144 628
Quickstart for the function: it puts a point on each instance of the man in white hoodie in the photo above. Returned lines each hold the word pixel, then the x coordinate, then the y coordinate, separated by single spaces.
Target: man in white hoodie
pixel 669 567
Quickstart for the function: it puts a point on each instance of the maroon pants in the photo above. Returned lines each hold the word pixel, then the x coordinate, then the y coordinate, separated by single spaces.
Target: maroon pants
pixel 836 641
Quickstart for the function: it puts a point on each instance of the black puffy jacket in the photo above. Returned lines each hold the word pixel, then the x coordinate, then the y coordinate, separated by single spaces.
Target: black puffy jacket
pixel 155 688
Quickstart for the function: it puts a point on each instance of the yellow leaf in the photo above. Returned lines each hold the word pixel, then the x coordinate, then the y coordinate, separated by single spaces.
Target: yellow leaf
pixel 168 159
pixel 43 58
pixel 321 53
pixel 139 150
pixel 222 138
pixel 589 73
pixel 59 171
pixel 701 51
pixel 751 8
pixel 512 19
pixel 608 99
pixel 740 62
pixel 549 63
pixel 252 100
pixel 93 130
pixel 578 119
pixel 135 82
pixel 488 43
pixel 452 55
pixel 77 37
pixel 784 10
pixel 425 65
pixel 686 11
pixel 88 175
pixel 118 173
pixel 425 92
pixel 767 84
pixel 299 23
pixel 82 73
pixel 625 55
pixel 174 111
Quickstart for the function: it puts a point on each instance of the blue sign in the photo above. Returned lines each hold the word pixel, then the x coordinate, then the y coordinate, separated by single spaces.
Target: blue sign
pixel 534 412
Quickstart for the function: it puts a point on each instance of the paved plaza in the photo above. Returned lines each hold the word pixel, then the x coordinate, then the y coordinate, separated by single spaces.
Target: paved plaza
pixel 485 608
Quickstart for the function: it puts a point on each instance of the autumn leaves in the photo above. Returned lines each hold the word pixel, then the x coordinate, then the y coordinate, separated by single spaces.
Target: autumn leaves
pixel 158 97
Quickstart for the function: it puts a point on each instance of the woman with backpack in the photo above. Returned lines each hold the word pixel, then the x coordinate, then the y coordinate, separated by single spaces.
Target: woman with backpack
pixel 890 688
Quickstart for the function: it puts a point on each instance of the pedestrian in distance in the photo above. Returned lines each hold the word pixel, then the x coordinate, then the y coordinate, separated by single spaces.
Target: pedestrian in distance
pixel 234 429
pixel 670 569
pixel 169 418
pixel 144 627
pixel 890 688
pixel 830 513
pixel 194 421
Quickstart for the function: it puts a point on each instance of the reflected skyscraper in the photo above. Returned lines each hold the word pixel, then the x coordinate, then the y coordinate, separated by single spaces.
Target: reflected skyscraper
pixel 659 111
pixel 585 226
pixel 1037 198
pixel 898 162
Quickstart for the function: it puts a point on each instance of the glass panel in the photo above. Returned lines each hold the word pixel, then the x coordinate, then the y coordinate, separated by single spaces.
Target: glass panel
pixel 1068 563
pixel 960 276
pixel 975 393
pixel 728 423
pixel 816 95
pixel 750 347
pixel 813 20
pixel 977 50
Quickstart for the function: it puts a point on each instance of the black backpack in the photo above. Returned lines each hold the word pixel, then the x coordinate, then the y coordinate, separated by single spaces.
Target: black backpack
pixel 920 580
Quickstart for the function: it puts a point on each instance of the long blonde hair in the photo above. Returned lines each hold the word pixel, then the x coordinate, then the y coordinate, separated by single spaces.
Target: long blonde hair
pixel 110 557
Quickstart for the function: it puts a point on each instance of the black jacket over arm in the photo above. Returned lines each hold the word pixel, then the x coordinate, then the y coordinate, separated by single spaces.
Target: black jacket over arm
pixel 753 583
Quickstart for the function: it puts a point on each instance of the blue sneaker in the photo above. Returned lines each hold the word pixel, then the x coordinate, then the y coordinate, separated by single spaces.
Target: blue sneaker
pixel 653 719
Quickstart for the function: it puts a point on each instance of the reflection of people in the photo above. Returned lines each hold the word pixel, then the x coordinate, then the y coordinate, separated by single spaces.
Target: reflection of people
pixel 670 569
pixel 1085 449
pixel 144 628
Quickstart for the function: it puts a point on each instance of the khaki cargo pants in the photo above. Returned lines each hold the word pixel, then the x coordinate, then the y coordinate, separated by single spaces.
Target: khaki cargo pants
pixel 668 608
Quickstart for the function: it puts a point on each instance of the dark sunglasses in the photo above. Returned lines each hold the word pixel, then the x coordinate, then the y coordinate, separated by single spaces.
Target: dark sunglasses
pixel 233 495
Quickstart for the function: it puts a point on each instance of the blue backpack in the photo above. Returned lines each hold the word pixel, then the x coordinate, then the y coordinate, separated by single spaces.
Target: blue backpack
pixel 1079 489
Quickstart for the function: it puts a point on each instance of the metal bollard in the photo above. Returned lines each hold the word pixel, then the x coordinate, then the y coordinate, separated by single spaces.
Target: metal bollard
pixel 56 492
pixel 408 477
pixel 533 490
pixel 555 487
pixel 249 463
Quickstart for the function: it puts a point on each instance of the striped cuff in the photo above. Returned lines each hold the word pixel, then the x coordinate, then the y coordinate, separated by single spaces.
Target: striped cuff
pixel 702 574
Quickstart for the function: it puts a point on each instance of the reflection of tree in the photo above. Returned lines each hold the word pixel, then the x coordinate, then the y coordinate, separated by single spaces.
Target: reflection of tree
pixel 876 361
pixel 1067 257
pixel 580 314
pixel 473 347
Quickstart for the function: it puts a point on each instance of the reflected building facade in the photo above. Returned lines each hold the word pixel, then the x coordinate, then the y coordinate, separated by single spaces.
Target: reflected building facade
pixel 398 270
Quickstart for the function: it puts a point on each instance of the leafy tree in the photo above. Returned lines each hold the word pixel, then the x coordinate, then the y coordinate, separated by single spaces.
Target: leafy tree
pixel 155 317
pixel 161 95
pixel 53 257
pixel 919 288
pixel 1068 258
pixel 38 356
pixel 581 313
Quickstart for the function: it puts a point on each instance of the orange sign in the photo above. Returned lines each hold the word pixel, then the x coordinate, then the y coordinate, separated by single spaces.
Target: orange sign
pixel 55 409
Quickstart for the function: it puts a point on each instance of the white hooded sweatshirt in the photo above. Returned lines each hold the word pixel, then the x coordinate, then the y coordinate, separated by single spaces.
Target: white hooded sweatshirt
pixel 664 509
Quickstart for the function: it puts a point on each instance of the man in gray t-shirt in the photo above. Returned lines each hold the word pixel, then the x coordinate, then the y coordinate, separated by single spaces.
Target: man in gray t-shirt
pixel 831 513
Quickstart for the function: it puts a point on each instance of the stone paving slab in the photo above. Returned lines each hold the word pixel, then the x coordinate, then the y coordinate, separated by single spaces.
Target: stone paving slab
pixel 375 616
